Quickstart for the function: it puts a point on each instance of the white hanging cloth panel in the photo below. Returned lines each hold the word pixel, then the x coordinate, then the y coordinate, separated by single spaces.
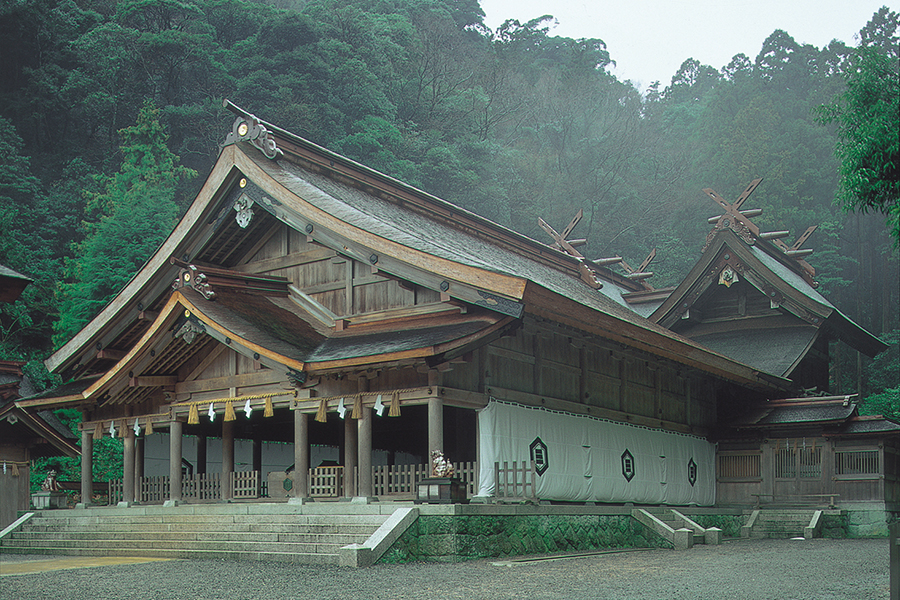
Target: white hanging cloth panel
pixel 586 459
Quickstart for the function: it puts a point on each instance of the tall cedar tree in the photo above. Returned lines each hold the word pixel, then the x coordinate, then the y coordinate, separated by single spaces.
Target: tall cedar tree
pixel 137 210
pixel 868 119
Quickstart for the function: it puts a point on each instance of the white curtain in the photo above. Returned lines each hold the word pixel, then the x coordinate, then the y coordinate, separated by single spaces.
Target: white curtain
pixel 583 461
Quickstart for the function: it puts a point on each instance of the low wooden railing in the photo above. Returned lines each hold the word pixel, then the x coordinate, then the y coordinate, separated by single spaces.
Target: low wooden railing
pixel 153 489
pixel 399 481
pixel 245 484
pixel 326 482
pixel 515 481
pixel 202 486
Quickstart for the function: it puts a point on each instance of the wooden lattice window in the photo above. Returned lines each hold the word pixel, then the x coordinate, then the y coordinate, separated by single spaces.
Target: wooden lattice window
pixel 856 462
pixel 739 465
pixel 803 461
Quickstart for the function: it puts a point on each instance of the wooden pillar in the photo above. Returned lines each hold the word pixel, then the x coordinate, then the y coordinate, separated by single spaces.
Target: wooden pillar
pixel 435 415
pixel 87 466
pixel 350 455
pixel 201 454
pixel 128 466
pixel 138 467
pixel 301 454
pixel 257 454
pixel 435 426
pixel 364 431
pixel 175 429
pixel 227 459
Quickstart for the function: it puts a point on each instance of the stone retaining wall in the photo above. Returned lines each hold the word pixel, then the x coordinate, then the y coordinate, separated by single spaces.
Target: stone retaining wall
pixel 467 537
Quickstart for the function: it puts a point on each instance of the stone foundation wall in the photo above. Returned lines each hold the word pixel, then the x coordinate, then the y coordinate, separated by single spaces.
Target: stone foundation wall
pixel 466 537
pixel 729 524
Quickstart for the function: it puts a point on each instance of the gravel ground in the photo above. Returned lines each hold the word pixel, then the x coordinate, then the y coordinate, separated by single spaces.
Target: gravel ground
pixel 741 569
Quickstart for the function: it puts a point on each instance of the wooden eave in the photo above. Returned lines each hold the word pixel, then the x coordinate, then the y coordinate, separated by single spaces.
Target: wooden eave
pixel 155 277
pixel 430 354
pixel 651 339
pixel 705 272
pixel 341 168
pixel 41 429
pixel 359 244
pixel 12 284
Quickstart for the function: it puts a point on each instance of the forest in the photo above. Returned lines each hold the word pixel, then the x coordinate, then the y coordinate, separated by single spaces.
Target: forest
pixel 111 116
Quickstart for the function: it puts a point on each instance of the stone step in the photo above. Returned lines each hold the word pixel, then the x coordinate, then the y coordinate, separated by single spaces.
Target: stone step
pixel 270 556
pixel 374 519
pixel 116 546
pixel 306 538
pixel 206 527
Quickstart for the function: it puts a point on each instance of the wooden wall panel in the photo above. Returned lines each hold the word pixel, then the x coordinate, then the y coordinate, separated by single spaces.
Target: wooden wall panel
pixel 640 400
pixel 510 370
pixel 603 391
pixel 463 376
pixel 383 295
pixel 600 360
pixel 275 247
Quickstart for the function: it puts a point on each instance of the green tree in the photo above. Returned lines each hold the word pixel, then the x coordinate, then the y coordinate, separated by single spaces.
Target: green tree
pixel 136 209
pixel 867 115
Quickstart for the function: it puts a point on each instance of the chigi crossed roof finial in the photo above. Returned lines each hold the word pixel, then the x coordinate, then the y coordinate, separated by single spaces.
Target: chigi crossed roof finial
pixel 739 221
pixel 569 247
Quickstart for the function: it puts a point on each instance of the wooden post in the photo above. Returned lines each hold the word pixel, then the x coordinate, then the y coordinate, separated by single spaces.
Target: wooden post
pixel 257 454
pixel 227 458
pixel 175 428
pixel 87 467
pixel 364 432
pixel 301 454
pixel 350 456
pixel 435 416
pixel 201 454
pixel 128 466
pixel 138 467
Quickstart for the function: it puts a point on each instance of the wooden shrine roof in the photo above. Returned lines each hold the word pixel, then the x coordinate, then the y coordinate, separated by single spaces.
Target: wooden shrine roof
pixel 18 424
pixel 776 350
pixel 12 284
pixel 402 233
pixel 833 415
pixel 771 274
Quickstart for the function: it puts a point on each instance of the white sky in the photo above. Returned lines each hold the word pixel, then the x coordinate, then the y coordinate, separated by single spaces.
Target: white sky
pixel 649 39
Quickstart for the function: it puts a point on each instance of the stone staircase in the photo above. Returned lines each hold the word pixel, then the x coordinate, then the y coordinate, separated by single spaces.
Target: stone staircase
pixel 679 529
pixel 315 533
pixel 783 523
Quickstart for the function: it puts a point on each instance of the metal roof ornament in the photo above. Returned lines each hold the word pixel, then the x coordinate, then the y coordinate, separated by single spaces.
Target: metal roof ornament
pixel 244 212
pixel 250 129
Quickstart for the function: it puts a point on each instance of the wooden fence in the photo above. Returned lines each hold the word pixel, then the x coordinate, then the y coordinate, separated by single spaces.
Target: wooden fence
pixel 326 482
pixel 399 481
pixel 202 486
pixel 245 484
pixel 516 482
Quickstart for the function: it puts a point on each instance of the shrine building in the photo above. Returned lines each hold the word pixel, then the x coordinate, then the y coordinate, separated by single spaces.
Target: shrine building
pixel 309 300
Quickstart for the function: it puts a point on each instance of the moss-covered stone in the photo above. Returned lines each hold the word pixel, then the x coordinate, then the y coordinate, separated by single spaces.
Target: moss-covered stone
pixel 456 538
pixel 729 524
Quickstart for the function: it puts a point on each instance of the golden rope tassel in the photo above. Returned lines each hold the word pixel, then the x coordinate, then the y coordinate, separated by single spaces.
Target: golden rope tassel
pixel 357 407
pixel 229 411
pixel 15 470
pixel 194 415
pixel 122 429
pixel 395 405
pixel 270 410
pixel 149 428
pixel 320 414
pixel 98 432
